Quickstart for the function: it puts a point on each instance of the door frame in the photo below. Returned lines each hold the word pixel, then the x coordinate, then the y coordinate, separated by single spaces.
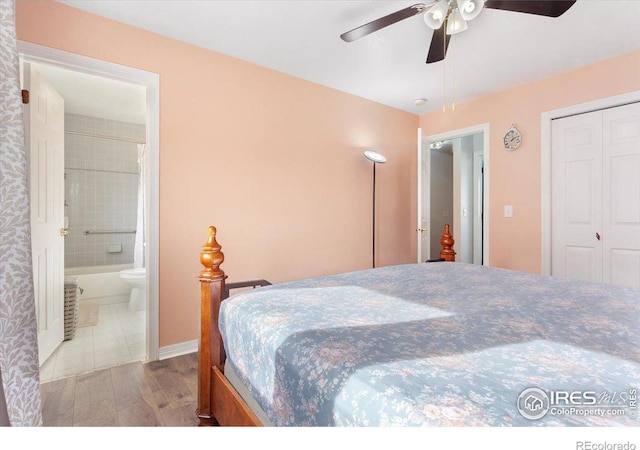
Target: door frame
pixel 483 128
pixel 151 81
pixel 545 160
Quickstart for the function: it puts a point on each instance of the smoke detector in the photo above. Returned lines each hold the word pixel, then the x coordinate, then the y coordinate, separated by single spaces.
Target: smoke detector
pixel 420 101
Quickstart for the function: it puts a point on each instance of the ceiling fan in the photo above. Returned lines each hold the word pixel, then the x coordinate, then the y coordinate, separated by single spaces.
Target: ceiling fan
pixel 448 17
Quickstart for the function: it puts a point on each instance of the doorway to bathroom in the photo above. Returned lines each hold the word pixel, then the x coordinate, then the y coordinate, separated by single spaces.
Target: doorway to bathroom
pixel 109 216
pixel 453 189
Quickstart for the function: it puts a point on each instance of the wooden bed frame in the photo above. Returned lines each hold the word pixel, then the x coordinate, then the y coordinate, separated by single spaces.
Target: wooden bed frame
pixel 218 401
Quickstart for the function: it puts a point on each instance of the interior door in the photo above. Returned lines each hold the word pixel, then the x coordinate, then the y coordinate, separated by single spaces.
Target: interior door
pixel 44 122
pixel 478 207
pixel 595 179
pixel 621 191
pixel 424 200
pixel 576 180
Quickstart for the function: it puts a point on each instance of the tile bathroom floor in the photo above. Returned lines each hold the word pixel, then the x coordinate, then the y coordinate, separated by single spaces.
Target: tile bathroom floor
pixel 118 338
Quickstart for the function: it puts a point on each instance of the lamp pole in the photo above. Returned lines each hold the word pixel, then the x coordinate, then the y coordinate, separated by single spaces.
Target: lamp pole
pixel 376 158
pixel 373 220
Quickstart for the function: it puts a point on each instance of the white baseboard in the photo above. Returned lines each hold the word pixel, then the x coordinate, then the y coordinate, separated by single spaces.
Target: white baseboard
pixel 183 348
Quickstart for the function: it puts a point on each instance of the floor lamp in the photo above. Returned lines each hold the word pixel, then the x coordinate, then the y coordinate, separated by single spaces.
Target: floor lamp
pixel 376 158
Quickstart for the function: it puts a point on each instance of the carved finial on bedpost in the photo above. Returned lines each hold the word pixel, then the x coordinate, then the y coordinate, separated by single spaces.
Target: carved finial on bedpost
pixel 211 257
pixel 447 252
pixel 210 346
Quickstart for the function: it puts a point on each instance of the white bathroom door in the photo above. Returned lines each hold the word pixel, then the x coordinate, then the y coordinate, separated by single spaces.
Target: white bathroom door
pixel 424 200
pixel 44 120
pixel 478 206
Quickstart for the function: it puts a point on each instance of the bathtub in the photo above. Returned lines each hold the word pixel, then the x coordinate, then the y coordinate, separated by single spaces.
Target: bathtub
pixel 100 284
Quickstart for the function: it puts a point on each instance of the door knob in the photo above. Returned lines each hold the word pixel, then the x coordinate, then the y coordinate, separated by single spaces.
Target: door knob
pixel 64 231
pixel 421 229
pixel 598 236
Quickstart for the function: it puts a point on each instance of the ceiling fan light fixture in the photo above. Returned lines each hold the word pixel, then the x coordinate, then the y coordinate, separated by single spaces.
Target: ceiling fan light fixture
pixel 455 22
pixel 469 9
pixel 434 17
pixel 455 13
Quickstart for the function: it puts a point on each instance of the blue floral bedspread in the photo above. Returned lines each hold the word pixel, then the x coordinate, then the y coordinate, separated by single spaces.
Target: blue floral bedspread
pixel 437 344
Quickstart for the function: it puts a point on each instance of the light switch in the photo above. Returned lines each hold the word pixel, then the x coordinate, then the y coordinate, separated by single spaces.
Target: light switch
pixel 508 210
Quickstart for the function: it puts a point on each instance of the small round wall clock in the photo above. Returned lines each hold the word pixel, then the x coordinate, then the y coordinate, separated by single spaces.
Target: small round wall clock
pixel 512 138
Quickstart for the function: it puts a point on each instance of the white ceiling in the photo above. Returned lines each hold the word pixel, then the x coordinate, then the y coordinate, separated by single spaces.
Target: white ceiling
pixel 500 49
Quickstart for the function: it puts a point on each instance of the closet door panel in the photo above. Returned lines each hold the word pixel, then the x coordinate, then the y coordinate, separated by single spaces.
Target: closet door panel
pixel 621 195
pixel 576 180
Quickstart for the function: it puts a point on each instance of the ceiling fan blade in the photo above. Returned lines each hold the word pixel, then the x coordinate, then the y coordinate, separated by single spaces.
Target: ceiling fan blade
pixel 540 8
pixel 439 45
pixel 383 22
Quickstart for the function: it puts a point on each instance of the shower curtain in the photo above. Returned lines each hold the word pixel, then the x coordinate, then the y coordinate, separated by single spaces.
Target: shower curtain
pixel 19 368
pixel 138 248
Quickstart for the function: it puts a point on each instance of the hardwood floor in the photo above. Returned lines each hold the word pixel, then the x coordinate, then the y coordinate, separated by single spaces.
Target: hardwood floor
pixel 158 393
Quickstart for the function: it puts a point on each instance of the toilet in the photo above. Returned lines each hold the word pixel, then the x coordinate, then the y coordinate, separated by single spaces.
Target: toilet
pixel 136 279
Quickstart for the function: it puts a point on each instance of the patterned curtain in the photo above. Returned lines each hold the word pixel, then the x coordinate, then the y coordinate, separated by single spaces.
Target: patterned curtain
pixel 19 366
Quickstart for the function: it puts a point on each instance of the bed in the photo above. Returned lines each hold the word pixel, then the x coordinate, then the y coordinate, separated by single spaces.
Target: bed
pixel 432 344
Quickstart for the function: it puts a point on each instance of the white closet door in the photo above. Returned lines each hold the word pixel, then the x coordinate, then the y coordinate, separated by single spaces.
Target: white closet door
pixel 576 183
pixel 595 180
pixel 621 193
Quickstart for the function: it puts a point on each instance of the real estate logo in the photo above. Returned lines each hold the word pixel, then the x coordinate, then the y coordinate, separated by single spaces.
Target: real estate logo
pixel 533 403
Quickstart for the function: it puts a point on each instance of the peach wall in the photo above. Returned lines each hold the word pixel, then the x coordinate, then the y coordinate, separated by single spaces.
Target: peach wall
pixel 515 177
pixel 273 161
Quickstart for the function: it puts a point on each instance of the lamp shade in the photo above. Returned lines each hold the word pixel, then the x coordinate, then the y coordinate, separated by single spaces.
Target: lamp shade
pixel 455 23
pixel 434 17
pixel 469 9
pixel 375 157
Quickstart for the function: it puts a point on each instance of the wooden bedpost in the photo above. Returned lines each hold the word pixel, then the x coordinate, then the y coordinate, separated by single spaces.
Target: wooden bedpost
pixel 210 347
pixel 447 253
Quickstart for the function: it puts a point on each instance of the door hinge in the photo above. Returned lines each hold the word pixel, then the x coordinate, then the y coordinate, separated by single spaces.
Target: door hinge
pixel 25 96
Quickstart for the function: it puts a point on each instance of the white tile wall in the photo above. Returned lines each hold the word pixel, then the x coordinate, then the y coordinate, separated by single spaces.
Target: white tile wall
pixel 101 189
